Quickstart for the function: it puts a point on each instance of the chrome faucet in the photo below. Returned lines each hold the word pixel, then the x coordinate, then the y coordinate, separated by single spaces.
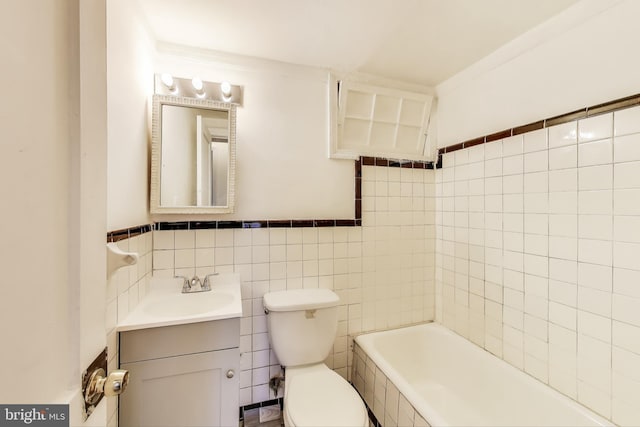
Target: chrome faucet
pixel 191 285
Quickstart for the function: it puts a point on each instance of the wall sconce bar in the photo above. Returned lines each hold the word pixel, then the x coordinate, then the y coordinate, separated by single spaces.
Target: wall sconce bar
pixel 165 84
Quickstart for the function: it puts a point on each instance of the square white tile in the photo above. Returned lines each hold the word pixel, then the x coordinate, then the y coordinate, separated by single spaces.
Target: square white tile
pixel 626 175
pixel 595 177
pixel 535 140
pixel 595 153
pixel 627 121
pixel 626 148
pixel 594 128
pixel 563 157
pixel 563 134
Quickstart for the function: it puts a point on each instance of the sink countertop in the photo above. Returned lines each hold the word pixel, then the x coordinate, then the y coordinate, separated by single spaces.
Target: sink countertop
pixel 166 305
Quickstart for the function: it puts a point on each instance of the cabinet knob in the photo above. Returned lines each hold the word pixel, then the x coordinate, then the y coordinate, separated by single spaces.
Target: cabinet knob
pixel 230 373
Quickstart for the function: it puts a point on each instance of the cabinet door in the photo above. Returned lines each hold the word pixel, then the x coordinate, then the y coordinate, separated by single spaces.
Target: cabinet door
pixel 189 390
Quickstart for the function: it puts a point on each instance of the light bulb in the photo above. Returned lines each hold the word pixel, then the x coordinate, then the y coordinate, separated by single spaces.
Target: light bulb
pixel 167 80
pixel 197 84
pixel 225 87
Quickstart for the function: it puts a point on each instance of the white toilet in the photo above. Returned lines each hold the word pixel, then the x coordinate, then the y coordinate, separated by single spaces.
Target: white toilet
pixel 302 326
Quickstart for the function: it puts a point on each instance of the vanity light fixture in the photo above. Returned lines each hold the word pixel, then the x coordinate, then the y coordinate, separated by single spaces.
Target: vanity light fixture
pixel 166 84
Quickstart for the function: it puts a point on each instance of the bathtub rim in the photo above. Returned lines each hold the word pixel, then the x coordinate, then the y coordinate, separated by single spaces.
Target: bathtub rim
pixel 365 342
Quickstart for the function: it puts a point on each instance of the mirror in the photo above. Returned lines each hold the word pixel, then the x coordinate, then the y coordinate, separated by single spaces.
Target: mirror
pixel 192 155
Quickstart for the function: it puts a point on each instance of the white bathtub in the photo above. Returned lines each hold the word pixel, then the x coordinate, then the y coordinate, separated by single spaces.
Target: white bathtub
pixel 451 382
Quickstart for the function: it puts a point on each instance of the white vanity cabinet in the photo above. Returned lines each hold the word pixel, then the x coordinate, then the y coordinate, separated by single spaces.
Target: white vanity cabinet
pixel 182 375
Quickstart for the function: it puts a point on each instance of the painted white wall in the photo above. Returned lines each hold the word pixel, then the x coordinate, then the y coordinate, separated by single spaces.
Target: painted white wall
pixel 130 76
pixel 35 192
pixel 582 57
pixel 53 178
pixel 283 170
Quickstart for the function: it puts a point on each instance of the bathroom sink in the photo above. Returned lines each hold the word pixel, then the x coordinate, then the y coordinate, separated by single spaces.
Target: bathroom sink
pixel 188 304
pixel 166 305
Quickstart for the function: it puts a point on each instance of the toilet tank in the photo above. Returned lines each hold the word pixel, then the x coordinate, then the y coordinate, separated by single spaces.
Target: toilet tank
pixel 302 324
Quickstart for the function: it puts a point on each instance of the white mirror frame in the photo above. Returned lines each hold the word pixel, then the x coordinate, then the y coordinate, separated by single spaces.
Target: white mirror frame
pixel 156 154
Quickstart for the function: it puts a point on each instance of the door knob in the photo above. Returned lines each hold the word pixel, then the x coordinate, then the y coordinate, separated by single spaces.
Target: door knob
pixel 230 373
pixel 111 385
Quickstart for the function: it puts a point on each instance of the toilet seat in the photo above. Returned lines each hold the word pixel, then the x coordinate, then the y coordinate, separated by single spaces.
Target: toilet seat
pixel 317 396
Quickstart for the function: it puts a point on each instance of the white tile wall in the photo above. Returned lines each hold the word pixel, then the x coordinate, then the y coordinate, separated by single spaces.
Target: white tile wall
pixel 126 287
pixel 382 271
pixel 555 264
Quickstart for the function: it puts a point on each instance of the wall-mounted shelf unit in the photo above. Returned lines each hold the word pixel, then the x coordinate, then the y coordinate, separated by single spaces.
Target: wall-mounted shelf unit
pixel 381 122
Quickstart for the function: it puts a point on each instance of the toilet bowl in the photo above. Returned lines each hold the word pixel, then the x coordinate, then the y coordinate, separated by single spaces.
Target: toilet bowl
pixel 317 396
pixel 302 326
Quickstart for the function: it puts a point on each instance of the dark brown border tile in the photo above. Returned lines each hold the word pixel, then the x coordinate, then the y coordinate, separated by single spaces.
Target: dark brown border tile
pixel 116 236
pixel 527 128
pixel 281 223
pixel 324 223
pixel 565 118
pixel 368 161
pixel 255 224
pixel 496 136
pixel 202 225
pixel 406 165
pixel 474 142
pixel 454 147
pixel 229 224
pixel 181 225
pixel 419 165
pixel 608 107
pixel 301 223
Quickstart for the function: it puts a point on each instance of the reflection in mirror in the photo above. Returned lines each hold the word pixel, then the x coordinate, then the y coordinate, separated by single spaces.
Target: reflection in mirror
pixel 193 156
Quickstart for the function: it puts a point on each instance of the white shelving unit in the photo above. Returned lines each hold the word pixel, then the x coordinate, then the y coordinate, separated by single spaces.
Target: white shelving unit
pixel 381 122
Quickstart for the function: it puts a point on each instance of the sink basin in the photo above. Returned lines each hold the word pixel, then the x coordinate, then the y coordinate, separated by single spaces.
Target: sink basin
pixel 166 305
pixel 187 304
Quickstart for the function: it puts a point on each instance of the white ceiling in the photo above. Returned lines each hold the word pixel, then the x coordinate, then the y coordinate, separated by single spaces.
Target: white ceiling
pixel 415 41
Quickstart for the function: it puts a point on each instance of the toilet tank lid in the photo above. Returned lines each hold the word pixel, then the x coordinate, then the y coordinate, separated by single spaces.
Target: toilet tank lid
pixel 300 299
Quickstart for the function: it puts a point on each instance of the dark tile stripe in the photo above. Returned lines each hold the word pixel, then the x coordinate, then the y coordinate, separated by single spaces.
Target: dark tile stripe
pixel 127 233
pixel 202 225
pixel 454 147
pixel 528 128
pixel 607 107
pixel 325 223
pixel 498 135
pixel 566 118
pixel 474 142
pixel 255 224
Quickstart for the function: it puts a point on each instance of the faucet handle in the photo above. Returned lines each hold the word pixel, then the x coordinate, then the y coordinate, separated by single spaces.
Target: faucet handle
pixel 195 281
pixel 186 283
pixel 206 285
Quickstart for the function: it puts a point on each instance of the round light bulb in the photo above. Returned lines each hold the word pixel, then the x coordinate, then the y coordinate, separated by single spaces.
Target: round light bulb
pixel 167 79
pixel 197 83
pixel 225 87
